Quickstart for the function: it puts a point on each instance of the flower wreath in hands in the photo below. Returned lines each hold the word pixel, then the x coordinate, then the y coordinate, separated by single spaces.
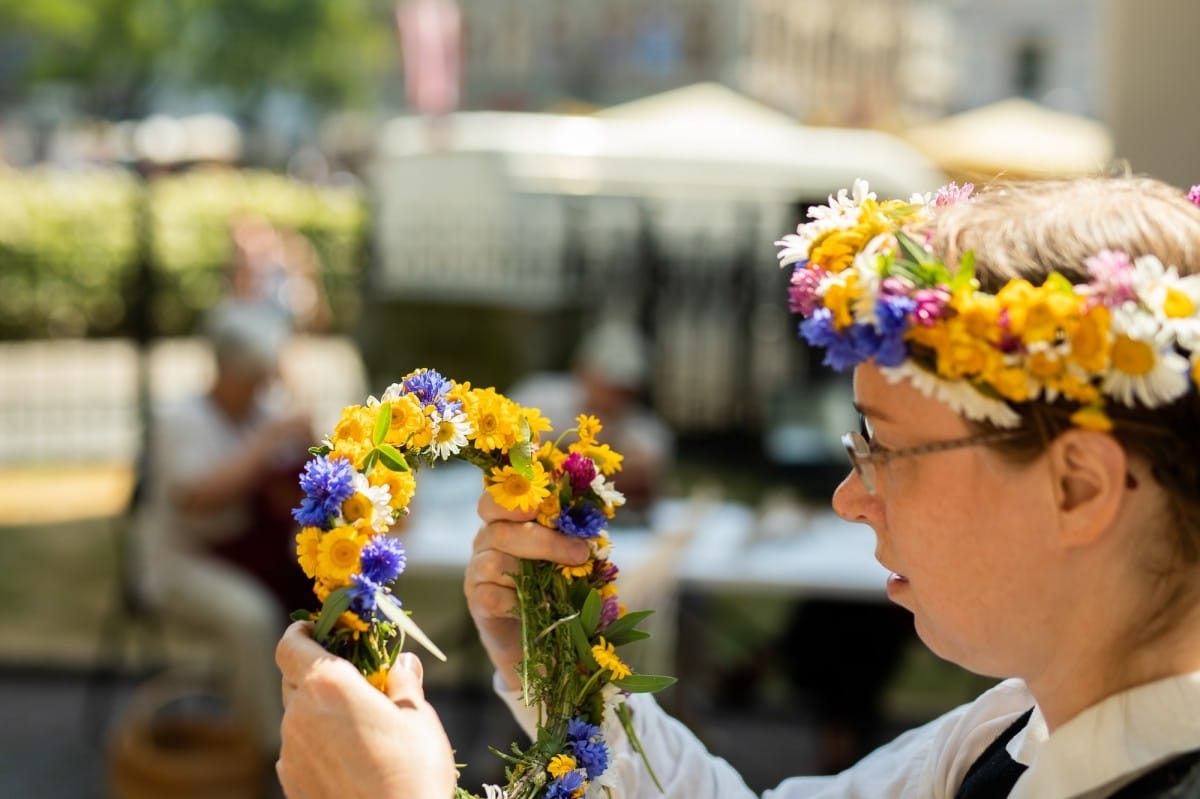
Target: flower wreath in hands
pixel 361 479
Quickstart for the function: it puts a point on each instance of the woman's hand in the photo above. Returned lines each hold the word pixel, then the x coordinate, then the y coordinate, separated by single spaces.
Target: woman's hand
pixel 344 739
pixel 505 538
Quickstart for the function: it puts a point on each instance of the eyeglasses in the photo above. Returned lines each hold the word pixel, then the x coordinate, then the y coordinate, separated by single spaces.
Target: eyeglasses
pixel 864 452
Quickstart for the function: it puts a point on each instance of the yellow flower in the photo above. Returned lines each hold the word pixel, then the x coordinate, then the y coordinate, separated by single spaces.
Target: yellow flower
pixel 357 507
pixel 308 542
pixel 1050 312
pixel 1196 371
pixel 1177 305
pixel 538 424
pixel 323 588
pixel 379 679
pixel 494 419
pixel 337 555
pixel 606 460
pixel 607 590
pixel 513 491
pixel 1089 340
pixel 353 623
pixel 409 427
pixel 839 298
pixel 1131 356
pixel 589 427
pixel 548 510
pixel 560 765
pixel 978 315
pixel 1092 417
pixel 582 570
pixel 401 485
pixel 551 457
pixel 1012 383
pixel 607 658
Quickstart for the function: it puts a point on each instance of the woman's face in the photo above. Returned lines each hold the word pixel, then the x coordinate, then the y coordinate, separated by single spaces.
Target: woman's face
pixel 964 532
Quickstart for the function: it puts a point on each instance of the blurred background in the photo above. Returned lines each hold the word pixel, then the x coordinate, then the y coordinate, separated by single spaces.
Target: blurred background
pixel 477 186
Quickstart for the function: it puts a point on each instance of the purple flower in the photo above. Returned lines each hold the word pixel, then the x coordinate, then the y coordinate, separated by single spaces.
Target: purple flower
pixel 428 386
pixel 362 595
pixel 606 571
pixel 610 611
pixel 1194 194
pixel 892 313
pixel 327 484
pixel 802 293
pixel 1112 277
pixel 845 349
pixel 580 730
pixel 564 787
pixel 382 559
pixel 929 305
pixel 582 521
pixel 581 470
pixel 952 193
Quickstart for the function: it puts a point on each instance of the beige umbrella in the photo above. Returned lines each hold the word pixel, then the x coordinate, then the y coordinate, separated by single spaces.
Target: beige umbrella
pixel 1015 138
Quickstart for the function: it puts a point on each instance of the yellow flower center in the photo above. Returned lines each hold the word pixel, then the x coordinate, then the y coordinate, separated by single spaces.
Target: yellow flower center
pixel 1178 305
pixel 356 508
pixel 488 424
pixel 1131 356
pixel 343 554
pixel 445 432
pixel 516 485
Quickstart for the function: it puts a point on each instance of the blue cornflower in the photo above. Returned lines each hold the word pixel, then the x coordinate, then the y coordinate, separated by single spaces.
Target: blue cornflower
pixel 580 730
pixel 362 595
pixel 327 484
pixel 582 521
pixel 564 787
pixel 591 755
pixel 892 313
pixel 428 386
pixel 382 559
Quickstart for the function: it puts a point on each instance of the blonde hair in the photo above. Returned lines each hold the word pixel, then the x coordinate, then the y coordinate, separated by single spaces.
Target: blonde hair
pixel 1029 230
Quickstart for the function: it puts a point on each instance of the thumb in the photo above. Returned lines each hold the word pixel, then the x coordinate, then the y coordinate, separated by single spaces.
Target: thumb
pixel 404 680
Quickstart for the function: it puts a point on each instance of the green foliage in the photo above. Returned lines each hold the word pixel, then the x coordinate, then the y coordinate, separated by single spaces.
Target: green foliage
pixel 70 242
pixel 117 52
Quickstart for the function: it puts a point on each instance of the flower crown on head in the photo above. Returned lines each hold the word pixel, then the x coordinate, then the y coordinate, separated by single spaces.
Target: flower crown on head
pixel 870 288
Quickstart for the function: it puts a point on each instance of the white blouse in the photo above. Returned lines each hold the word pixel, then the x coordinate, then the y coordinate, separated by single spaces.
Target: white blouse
pixel 1092 755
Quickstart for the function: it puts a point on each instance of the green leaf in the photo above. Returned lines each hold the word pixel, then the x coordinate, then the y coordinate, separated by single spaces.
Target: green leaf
pixel 301 615
pixel 392 458
pixel 625 637
pixel 626 622
pixel 589 614
pixel 404 621
pixel 966 272
pixel 521 455
pixel 321 450
pixel 582 647
pixel 911 250
pixel 644 683
pixel 370 461
pixel 382 422
pixel 337 603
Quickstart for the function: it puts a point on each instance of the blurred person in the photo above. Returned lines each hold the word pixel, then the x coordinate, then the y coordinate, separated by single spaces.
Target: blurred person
pixel 216 532
pixel 1027 458
pixel 277 266
pixel 609 373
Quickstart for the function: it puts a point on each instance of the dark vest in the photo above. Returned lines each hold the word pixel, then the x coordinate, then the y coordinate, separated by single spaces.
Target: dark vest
pixel 994 773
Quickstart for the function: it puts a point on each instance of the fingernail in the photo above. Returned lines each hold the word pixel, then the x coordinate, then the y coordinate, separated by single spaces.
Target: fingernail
pixel 408 661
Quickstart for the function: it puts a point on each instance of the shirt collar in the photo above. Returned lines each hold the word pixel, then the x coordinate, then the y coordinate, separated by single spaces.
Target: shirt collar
pixel 1121 736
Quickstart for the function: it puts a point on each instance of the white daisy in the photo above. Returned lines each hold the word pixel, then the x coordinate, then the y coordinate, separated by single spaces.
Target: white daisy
pixel 842 212
pixel 1174 300
pixel 379 511
pixel 607 492
pixel 393 392
pixel 1145 368
pixel 961 396
pixel 450 431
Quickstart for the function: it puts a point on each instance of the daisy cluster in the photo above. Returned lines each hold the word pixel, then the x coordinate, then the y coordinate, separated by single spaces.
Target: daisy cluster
pixel 359 483
pixel 870 289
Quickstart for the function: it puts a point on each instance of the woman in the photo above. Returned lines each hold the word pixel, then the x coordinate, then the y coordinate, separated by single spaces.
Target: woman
pixel 1028 461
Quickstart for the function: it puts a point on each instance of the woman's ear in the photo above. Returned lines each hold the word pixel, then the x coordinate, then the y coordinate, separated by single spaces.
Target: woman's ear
pixel 1090 479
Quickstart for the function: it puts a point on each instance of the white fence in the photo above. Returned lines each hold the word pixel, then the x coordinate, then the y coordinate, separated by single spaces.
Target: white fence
pixel 76 401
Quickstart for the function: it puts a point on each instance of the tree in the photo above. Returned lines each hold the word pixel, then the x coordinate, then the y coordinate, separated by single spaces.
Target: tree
pixel 118 54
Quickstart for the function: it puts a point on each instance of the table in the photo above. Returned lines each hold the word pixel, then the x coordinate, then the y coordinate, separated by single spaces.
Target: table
pixel 727 552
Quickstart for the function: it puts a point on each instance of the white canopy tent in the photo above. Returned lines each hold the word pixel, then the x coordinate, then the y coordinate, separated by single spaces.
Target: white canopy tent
pixel 1015 138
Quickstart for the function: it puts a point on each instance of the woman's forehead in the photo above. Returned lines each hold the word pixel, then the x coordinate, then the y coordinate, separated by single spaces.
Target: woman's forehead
pixel 899 401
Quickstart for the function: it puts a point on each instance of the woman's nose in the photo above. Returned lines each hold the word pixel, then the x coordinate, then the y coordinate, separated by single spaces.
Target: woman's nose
pixel 850 499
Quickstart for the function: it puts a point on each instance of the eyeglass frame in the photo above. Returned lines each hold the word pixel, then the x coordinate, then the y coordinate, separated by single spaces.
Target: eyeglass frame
pixel 863 458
